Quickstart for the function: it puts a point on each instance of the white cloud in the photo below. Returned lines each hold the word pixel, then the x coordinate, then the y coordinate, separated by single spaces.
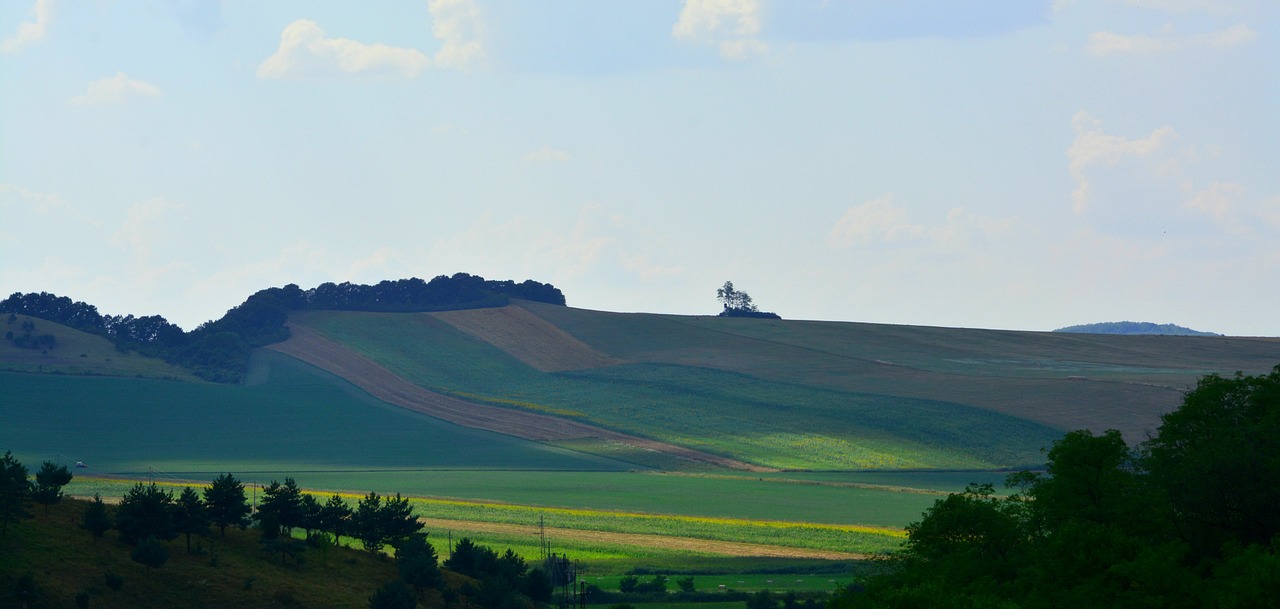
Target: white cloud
pixel 458 25
pixel 305 51
pixel 547 154
pixel 733 26
pixel 1218 200
pixel 1167 41
pixel 885 221
pixel 42 203
pixel 30 32
pixel 115 90
pixel 146 225
pixel 1094 147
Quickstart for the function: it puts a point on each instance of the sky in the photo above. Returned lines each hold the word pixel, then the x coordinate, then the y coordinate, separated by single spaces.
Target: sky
pixel 968 163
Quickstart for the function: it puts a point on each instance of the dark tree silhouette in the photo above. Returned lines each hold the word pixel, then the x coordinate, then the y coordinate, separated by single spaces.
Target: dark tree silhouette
pixel 49 482
pixel 96 520
pixel 226 504
pixel 15 490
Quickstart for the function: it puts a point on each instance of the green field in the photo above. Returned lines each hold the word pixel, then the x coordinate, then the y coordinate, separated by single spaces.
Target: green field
pixel 783 425
pixel 78 353
pixel 295 419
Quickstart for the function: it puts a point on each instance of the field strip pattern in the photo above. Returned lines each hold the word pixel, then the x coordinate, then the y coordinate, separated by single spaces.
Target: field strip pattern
pixel 528 338
pixel 666 542
pixel 310 347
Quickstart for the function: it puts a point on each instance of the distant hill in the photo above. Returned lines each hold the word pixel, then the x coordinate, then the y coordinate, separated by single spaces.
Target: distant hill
pixel 1134 327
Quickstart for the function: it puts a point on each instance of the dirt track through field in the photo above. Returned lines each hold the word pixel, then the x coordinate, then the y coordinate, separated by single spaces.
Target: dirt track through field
pixel 528 338
pixel 689 544
pixel 310 347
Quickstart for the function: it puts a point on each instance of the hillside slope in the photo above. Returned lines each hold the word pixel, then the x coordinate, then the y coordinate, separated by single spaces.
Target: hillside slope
pixel 1064 381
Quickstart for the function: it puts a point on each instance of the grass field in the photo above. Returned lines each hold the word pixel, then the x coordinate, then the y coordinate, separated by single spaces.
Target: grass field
pixel 295 419
pixel 783 425
pixel 78 353
pixel 1064 381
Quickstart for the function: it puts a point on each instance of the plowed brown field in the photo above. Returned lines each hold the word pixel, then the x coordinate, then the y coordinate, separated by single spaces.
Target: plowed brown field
pixel 381 383
pixel 528 338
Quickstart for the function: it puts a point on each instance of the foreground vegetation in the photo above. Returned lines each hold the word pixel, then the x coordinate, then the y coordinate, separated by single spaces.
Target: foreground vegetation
pixel 1191 518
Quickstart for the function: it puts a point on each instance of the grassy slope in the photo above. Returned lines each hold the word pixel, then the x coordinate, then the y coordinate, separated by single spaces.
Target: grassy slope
pixel 66 561
pixel 770 422
pixel 295 419
pixel 78 353
pixel 1062 380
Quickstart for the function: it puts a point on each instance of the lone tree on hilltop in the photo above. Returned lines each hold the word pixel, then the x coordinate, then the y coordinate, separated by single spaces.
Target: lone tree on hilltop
pixel 738 303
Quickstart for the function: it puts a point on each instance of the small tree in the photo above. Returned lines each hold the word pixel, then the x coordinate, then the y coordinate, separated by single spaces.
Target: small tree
pixel 734 300
pixel 418 564
pixel 284 502
pixel 146 511
pixel 226 504
pixel 49 482
pixel 96 520
pixel 15 490
pixel 366 524
pixel 335 517
pixel 190 517
pixel 686 584
pixel 397 521
pixel 150 552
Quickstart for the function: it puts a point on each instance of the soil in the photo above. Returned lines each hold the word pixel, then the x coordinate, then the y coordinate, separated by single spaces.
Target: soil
pixel 528 338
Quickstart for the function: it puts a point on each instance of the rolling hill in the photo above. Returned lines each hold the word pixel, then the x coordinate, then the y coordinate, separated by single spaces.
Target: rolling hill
pixel 553 387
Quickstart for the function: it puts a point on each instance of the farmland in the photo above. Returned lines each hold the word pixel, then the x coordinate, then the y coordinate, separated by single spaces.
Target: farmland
pixel 718 411
pixel 854 429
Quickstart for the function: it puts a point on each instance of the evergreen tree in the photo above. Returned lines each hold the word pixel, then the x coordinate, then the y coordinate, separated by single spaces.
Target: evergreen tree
pixel 366 523
pixel 146 511
pixel 226 504
pixel 335 517
pixel 397 521
pixel 15 490
pixel 151 552
pixel 281 507
pixel 418 564
pixel 96 520
pixel 394 595
pixel 49 482
pixel 190 517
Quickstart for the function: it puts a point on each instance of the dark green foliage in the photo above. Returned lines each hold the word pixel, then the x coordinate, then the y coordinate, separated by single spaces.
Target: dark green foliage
pixel 49 482
pixel 281 507
pixel 146 511
pixel 226 504
pixel 15 490
pixel 397 521
pixel 394 595
pixel 311 510
pixel 96 520
pixel 686 584
pixel 762 600
pixel 418 564
pixel 82 600
pixel 366 523
pixel 656 585
pixel 287 547
pixel 537 585
pixel 1190 521
pixel 1218 458
pixel 335 517
pixel 151 552
pixel 190 515
pixel 628 584
pixel 113 581
pixel 471 559
pixel 738 303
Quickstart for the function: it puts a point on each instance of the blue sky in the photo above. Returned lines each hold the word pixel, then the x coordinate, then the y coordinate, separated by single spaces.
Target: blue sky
pixel 975 163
